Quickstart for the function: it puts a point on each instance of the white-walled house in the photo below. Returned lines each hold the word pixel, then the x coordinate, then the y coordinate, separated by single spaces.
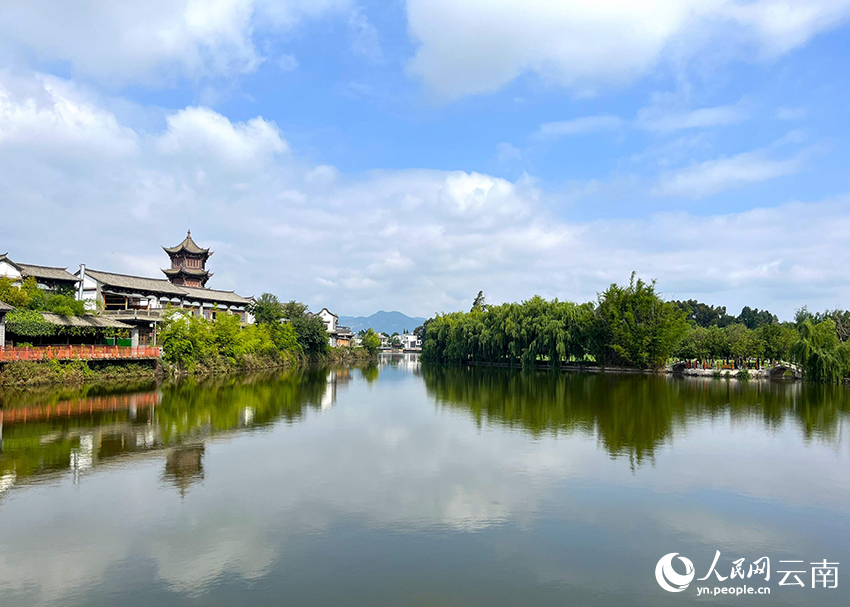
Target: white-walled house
pixel 410 341
pixel 46 277
pixel 338 336
pixel 329 318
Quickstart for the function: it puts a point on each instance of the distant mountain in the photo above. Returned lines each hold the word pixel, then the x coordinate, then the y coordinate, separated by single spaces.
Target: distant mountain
pixel 382 322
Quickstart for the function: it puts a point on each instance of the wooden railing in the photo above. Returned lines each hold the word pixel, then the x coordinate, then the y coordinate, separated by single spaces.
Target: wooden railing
pixel 78 353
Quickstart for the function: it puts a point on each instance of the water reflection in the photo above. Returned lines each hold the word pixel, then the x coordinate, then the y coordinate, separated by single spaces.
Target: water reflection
pixel 632 415
pixel 394 484
pixel 44 433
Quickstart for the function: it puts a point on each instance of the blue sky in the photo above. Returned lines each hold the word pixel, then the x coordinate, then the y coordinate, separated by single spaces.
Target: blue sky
pixel 404 155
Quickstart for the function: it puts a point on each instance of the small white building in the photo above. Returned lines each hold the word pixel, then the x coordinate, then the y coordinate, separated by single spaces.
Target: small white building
pixel 338 336
pixel 410 341
pixel 329 318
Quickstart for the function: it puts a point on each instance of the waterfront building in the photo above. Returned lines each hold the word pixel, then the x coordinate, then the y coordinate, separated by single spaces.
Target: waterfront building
pixel 143 301
pixel 338 336
pixel 47 277
pixel 410 341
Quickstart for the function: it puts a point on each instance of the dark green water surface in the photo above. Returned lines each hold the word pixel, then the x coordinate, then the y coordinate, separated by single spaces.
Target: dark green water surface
pixel 406 485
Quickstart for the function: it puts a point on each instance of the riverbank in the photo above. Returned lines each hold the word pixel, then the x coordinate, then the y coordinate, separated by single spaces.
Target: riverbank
pixel 53 372
pixel 742 374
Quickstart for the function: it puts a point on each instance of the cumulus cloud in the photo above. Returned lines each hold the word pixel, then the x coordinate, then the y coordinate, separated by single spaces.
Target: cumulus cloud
pixel 199 132
pixel 56 118
pixel 154 40
pixel 416 240
pixel 473 46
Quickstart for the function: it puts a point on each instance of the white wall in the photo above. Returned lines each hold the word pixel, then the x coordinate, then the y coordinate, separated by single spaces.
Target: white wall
pixel 7 269
pixel 329 320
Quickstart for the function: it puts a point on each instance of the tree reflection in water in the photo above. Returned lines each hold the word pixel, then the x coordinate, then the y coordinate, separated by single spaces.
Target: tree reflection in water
pixel 630 414
pixel 45 433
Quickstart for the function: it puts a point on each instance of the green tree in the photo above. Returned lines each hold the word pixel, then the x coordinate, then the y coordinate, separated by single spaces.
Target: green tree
pixel 370 341
pixel 479 304
pixel 635 327
pixel 823 357
pixel 311 333
pixel 293 310
pixel 267 309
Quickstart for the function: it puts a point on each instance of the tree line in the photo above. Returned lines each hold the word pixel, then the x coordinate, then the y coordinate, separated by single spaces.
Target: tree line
pixel 282 332
pixel 633 326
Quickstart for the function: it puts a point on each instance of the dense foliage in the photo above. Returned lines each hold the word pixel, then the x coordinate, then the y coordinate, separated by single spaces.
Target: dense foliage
pixel 629 326
pixel 189 342
pixel 632 326
pixel 281 332
pixel 823 356
pixel 30 297
pixel 370 341
pixel 30 301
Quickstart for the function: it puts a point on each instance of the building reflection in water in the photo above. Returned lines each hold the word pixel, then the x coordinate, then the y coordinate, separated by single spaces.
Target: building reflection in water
pixel 45 435
pixel 184 466
pixel 407 361
pixel 337 378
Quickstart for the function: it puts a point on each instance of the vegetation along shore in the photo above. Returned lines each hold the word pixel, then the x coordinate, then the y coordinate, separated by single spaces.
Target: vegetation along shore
pixel 633 327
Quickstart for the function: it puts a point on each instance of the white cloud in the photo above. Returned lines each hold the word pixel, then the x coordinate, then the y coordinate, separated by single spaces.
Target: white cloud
pixel 365 37
pixel 57 119
pixel 713 176
pixel 415 240
pixel 507 152
pixel 656 118
pixel 578 126
pixel 791 113
pixel 660 119
pixel 151 41
pixel 201 132
pixel 475 46
pixel 287 63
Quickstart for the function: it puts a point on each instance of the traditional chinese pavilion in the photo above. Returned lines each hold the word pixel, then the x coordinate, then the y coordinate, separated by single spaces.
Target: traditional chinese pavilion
pixel 188 263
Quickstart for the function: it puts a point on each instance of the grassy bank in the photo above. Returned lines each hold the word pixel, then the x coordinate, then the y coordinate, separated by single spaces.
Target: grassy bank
pixel 52 372
pixel 31 373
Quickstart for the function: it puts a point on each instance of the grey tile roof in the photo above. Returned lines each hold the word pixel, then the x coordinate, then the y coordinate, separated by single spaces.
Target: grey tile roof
pixel 43 272
pixel 136 283
pixel 89 320
pixel 213 295
pixel 46 272
pixel 4 307
pixel 160 286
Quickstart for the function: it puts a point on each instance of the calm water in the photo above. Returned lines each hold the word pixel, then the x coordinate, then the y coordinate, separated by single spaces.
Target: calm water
pixel 400 485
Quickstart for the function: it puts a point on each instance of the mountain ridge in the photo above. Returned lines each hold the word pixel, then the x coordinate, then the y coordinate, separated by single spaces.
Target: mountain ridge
pixel 382 322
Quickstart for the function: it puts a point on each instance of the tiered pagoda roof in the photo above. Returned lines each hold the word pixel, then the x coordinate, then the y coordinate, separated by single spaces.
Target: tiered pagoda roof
pixel 188 246
pixel 192 273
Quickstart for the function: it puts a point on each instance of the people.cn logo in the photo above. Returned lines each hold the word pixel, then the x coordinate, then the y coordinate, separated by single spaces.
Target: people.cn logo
pixel 668 578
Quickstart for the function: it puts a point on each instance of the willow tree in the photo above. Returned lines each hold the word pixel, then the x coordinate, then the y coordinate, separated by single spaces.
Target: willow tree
pixel 823 357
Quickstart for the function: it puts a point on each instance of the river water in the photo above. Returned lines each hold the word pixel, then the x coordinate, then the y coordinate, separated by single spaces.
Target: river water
pixel 399 484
